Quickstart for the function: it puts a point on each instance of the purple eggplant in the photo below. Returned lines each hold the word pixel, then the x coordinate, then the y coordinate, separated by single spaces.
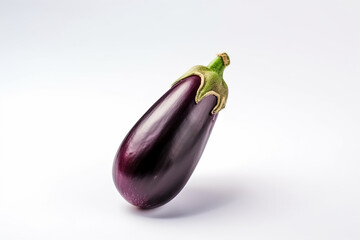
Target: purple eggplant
pixel 159 154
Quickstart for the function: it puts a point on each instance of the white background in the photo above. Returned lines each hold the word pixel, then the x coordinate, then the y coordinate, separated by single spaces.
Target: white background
pixel 283 161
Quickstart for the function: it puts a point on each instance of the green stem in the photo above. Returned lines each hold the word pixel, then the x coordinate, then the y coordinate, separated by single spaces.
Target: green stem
pixel 219 64
pixel 212 82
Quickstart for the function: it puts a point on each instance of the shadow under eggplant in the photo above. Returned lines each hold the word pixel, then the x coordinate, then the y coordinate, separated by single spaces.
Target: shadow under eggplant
pixel 193 200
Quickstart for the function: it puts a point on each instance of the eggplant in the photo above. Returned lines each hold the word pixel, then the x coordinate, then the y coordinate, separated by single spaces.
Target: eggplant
pixel 161 151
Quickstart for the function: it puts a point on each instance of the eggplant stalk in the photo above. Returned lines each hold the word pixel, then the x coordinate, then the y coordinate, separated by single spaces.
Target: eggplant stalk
pixel 212 82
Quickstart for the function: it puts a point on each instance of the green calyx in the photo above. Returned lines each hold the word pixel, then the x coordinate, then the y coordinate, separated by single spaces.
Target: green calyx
pixel 212 82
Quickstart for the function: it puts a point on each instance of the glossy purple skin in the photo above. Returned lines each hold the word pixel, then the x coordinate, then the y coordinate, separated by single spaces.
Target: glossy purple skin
pixel 159 154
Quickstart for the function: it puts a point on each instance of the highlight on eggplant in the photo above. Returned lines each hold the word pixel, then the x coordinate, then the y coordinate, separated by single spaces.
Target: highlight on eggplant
pixel 161 151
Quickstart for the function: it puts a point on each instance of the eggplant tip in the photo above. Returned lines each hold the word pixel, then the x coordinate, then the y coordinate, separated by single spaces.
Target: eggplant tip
pixel 225 58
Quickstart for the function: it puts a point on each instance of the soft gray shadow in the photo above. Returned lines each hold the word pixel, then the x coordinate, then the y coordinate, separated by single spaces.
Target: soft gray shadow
pixel 194 200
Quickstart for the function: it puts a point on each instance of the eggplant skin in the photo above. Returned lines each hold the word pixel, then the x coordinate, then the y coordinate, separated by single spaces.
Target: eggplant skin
pixel 159 154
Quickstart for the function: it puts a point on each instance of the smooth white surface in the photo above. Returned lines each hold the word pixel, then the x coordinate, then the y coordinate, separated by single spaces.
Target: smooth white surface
pixel 283 160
